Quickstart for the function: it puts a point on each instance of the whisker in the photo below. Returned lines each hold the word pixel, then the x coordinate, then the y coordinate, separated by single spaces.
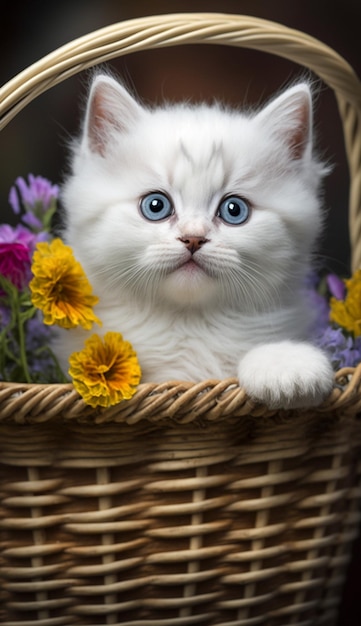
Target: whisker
pixel 132 277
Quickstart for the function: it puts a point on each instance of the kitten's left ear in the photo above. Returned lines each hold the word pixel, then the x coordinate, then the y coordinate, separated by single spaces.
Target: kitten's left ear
pixel 110 108
pixel 289 116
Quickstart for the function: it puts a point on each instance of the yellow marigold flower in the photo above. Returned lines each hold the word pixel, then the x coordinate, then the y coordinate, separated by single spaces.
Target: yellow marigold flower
pixel 60 288
pixel 106 371
pixel 347 312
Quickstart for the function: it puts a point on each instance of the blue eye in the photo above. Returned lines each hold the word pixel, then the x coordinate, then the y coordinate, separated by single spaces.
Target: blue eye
pixel 156 206
pixel 233 210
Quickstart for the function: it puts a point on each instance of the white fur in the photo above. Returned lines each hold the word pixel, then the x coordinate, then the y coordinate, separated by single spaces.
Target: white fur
pixel 227 313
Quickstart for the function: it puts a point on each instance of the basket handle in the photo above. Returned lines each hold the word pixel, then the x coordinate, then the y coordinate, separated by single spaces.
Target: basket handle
pixel 160 31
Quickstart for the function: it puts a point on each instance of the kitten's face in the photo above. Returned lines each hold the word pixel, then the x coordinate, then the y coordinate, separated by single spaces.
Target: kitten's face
pixel 193 206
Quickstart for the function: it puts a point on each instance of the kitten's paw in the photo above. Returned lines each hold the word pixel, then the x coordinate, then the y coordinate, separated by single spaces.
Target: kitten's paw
pixel 286 374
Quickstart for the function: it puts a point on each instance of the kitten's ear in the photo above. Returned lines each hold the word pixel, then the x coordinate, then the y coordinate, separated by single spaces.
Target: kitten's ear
pixel 110 107
pixel 289 117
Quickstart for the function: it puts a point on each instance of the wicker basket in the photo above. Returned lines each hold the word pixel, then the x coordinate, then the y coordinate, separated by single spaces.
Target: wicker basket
pixel 188 504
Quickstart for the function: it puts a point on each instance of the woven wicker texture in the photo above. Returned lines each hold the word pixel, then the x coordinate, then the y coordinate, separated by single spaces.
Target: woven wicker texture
pixel 189 504
pixel 249 524
pixel 164 403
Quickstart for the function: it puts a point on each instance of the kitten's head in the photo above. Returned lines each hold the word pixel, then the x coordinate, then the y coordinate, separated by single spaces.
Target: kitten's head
pixel 194 205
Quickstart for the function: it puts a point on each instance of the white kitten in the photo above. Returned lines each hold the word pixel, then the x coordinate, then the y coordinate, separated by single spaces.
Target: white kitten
pixel 195 226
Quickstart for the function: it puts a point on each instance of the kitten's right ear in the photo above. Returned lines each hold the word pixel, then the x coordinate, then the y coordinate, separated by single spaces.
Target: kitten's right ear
pixel 289 116
pixel 110 107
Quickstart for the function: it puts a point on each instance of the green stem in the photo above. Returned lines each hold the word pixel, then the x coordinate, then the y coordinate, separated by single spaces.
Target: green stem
pixel 22 348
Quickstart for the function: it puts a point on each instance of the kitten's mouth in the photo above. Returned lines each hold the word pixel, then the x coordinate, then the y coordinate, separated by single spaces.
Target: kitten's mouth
pixel 190 266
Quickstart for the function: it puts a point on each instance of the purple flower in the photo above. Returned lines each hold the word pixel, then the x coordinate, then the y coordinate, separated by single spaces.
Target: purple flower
pixel 14 200
pixel 38 197
pixel 39 190
pixel 16 234
pixel 22 235
pixel 343 351
pixel 336 286
pixel 32 221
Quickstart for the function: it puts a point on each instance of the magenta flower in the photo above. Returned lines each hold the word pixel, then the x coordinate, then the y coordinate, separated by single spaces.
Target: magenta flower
pixel 16 249
pixel 15 263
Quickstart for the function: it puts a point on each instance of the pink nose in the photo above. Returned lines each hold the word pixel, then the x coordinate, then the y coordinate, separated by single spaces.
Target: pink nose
pixel 193 243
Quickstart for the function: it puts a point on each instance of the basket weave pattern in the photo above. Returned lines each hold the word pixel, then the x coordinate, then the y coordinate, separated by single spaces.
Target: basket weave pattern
pixel 189 504
pixel 227 523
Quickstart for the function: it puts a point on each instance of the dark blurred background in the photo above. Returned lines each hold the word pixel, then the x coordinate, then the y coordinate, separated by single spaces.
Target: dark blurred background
pixel 36 140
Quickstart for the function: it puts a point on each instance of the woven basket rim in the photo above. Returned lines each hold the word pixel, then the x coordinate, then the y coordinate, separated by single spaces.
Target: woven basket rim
pixel 170 403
